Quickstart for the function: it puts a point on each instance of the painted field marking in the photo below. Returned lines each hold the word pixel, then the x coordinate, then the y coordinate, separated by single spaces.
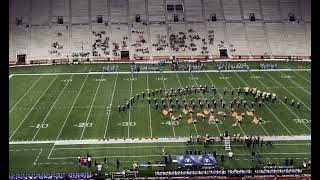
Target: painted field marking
pixel 131 105
pixel 114 88
pixel 11 76
pixel 88 115
pixel 227 106
pixel 285 106
pixel 25 93
pixel 160 78
pixel 298 85
pixel 288 91
pixel 247 106
pixel 74 102
pixel 149 108
pixel 32 107
pixel 164 86
pixel 194 125
pixel 35 161
pixel 54 103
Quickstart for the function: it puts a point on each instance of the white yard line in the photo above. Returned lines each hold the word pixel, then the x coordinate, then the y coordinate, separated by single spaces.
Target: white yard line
pixel 227 106
pixel 158 72
pixel 246 106
pixel 54 103
pixel 149 107
pixel 32 108
pixel 114 89
pixel 146 141
pixel 89 113
pixel 288 91
pixel 130 106
pixel 25 93
pixel 285 106
pixel 164 86
pixel 74 102
pixel 298 73
pixel 35 161
pixel 297 84
pixel 11 76
pixel 194 125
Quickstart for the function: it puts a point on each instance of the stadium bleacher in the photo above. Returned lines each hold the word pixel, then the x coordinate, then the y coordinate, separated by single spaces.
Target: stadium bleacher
pixel 225 23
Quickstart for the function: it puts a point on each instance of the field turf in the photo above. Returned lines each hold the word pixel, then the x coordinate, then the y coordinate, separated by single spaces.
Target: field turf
pixel 85 106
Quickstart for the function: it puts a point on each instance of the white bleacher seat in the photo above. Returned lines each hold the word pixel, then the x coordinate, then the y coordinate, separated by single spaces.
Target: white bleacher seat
pixel 99 8
pixel 212 7
pixel 231 10
pixel 20 8
pixel 236 35
pixel 40 12
pixel 18 41
pixel 308 36
pixel 60 8
pixel 250 6
pixel 276 38
pixel 59 34
pixel 219 35
pixel 137 7
pixel 39 42
pixel 296 39
pixel 79 11
pixel 193 10
pixel 256 38
pixel 287 7
pixel 157 30
pixel 80 39
pixel 156 10
pixel 270 9
pixel 119 11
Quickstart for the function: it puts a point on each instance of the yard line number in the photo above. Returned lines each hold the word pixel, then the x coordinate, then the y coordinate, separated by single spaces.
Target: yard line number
pixel 161 79
pixel 302 121
pixel 130 79
pixel 83 125
pixel 225 77
pixel 169 123
pixel 40 126
pixel 286 76
pixel 126 124
pixel 100 80
pixel 256 77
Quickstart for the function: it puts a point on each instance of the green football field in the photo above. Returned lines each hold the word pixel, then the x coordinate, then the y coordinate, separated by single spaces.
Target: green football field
pixel 70 103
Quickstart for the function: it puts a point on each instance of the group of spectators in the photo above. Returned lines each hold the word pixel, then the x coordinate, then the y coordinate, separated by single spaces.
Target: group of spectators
pixel 140 42
pixel 111 68
pixel 80 175
pixel 189 67
pixel 228 66
pixel 138 68
pixel 56 47
pixel 161 43
pixel 268 66
pixel 101 43
pixel 80 54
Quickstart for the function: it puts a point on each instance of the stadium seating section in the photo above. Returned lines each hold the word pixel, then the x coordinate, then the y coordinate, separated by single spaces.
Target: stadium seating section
pixel 203 27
